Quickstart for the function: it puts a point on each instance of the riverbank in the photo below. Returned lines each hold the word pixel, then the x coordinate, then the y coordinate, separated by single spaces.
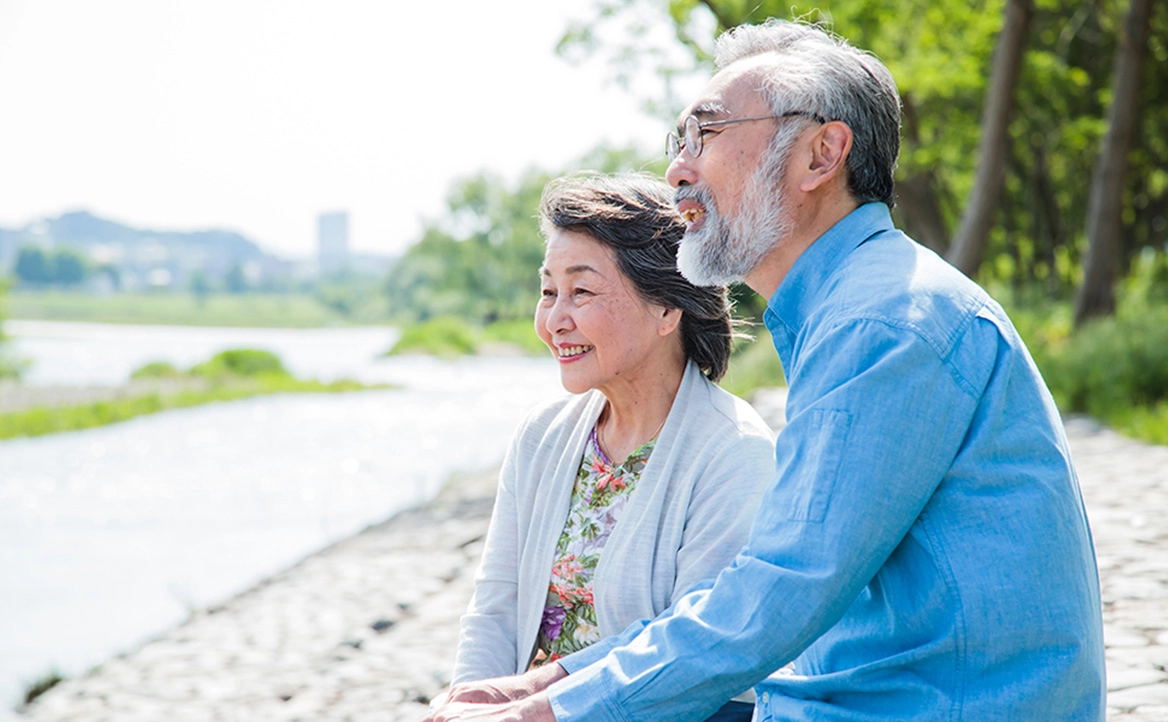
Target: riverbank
pixel 366 629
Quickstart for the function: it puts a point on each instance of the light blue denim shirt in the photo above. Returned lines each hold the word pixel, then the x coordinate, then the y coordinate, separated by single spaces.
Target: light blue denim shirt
pixel 922 552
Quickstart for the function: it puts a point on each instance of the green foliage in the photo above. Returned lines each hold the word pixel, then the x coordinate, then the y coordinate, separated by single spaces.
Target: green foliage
pixel 940 54
pixel 352 297
pixel 200 287
pixel 156 370
pixel 444 336
pixel 32 266
pixel 240 362
pixel 1114 369
pixel 754 365
pixel 1112 364
pixel 481 262
pixel 518 332
pixel 64 267
pixel 450 336
pixel 235 281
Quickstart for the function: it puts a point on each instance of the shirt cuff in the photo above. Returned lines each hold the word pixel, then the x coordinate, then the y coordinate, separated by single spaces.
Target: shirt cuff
pixel 585 695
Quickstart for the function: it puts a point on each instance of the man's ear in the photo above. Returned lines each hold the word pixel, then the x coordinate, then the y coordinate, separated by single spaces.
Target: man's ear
pixel 829 154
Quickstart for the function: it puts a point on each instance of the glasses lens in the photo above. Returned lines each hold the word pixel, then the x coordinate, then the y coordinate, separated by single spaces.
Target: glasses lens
pixel 693 136
pixel 672 146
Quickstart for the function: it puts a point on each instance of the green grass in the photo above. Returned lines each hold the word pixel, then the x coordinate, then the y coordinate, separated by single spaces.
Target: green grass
pixel 252 309
pixel 450 336
pixel 519 332
pixel 228 376
pixel 446 336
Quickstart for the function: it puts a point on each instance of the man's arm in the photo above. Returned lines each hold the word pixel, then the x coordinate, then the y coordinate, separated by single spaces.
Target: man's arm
pixel 879 418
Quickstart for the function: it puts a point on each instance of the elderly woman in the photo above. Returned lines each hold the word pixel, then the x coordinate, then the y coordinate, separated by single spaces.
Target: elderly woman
pixel 614 501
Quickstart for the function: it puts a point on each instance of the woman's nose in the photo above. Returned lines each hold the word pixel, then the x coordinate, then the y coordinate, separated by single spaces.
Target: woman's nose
pixel 559 318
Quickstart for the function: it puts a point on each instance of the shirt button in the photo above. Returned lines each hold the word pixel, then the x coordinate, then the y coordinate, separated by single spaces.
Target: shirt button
pixel 766 697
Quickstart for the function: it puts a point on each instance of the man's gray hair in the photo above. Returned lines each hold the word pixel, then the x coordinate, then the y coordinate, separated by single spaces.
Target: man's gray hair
pixel 817 72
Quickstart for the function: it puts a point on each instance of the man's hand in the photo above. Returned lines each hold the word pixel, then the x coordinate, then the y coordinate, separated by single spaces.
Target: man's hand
pixel 506 689
pixel 535 708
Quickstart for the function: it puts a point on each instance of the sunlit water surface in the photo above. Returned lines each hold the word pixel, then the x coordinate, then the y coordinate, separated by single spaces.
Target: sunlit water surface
pixel 110 535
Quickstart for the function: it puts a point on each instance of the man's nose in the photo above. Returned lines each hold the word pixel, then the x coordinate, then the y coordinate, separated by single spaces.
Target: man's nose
pixel 680 173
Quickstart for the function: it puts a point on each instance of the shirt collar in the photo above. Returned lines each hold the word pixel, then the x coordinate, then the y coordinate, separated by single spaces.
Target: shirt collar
pixel 798 292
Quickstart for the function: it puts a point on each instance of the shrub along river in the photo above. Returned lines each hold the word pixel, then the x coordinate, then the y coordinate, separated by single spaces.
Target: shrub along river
pixel 110 535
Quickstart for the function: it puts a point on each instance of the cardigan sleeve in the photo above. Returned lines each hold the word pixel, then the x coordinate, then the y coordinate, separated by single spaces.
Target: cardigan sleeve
pixel 487 636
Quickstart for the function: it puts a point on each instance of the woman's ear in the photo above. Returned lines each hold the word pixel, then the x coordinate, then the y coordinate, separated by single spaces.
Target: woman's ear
pixel 829 155
pixel 668 321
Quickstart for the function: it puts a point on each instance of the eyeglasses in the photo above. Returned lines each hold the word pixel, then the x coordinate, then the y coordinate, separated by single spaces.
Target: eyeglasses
pixel 695 130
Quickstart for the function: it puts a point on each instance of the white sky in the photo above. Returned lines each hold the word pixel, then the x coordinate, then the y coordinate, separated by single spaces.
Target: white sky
pixel 255 115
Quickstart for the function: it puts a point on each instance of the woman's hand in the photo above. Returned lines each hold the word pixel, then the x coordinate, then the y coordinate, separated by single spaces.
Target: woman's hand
pixel 488 691
pixel 494 692
pixel 535 708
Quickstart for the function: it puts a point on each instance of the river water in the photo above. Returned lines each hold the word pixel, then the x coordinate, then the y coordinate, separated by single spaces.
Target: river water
pixel 111 535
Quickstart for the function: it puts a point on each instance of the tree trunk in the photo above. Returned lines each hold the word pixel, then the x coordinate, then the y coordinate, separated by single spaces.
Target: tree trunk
pixel 978 217
pixel 1096 297
pixel 921 211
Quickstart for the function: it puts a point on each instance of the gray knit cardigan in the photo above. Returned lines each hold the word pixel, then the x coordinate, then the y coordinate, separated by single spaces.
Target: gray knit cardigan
pixel 686 519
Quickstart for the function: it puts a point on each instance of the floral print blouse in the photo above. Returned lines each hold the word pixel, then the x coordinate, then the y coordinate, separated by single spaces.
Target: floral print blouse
pixel 601 492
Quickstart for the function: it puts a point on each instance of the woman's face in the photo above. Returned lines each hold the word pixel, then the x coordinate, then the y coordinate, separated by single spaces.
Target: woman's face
pixel 598 327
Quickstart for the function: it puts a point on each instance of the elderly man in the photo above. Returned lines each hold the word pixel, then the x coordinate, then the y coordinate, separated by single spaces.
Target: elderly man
pixel 923 551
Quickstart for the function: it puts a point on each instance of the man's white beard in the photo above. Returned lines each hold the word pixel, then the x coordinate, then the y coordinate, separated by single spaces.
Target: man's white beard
pixel 724 251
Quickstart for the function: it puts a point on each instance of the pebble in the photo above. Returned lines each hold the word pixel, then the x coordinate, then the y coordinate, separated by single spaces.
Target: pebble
pixel 366 629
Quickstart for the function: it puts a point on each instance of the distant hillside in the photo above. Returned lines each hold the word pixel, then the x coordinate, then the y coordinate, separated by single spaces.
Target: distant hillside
pixel 135 258
pixel 84 230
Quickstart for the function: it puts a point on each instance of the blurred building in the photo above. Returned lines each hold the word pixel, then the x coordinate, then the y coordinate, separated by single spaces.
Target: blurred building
pixel 333 242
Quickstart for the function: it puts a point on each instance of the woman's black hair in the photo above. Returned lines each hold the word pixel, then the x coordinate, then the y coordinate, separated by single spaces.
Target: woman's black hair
pixel 633 214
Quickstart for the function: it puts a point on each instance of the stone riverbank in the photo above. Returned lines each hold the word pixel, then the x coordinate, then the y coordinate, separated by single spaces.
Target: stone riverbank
pixel 366 629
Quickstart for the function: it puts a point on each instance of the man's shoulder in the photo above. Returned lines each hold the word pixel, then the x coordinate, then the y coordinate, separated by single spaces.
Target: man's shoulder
pixel 894 280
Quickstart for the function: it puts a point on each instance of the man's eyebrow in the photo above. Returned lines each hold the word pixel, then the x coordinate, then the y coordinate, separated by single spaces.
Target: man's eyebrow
pixel 709 107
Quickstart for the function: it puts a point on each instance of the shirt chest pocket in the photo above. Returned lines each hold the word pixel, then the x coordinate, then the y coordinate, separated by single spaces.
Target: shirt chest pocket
pixel 815 464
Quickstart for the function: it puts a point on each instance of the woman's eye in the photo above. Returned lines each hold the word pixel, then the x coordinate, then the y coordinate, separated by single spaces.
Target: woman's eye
pixel 583 291
pixel 548 293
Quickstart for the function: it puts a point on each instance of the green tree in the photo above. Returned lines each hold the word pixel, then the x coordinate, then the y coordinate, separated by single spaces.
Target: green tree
pixel 70 268
pixel 1096 297
pixel 480 261
pixel 235 281
pixel 200 288
pixel 941 53
pixel 33 266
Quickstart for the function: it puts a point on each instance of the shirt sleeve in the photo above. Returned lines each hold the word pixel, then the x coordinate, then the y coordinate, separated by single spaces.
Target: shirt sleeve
pixel 487 634
pixel 876 417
